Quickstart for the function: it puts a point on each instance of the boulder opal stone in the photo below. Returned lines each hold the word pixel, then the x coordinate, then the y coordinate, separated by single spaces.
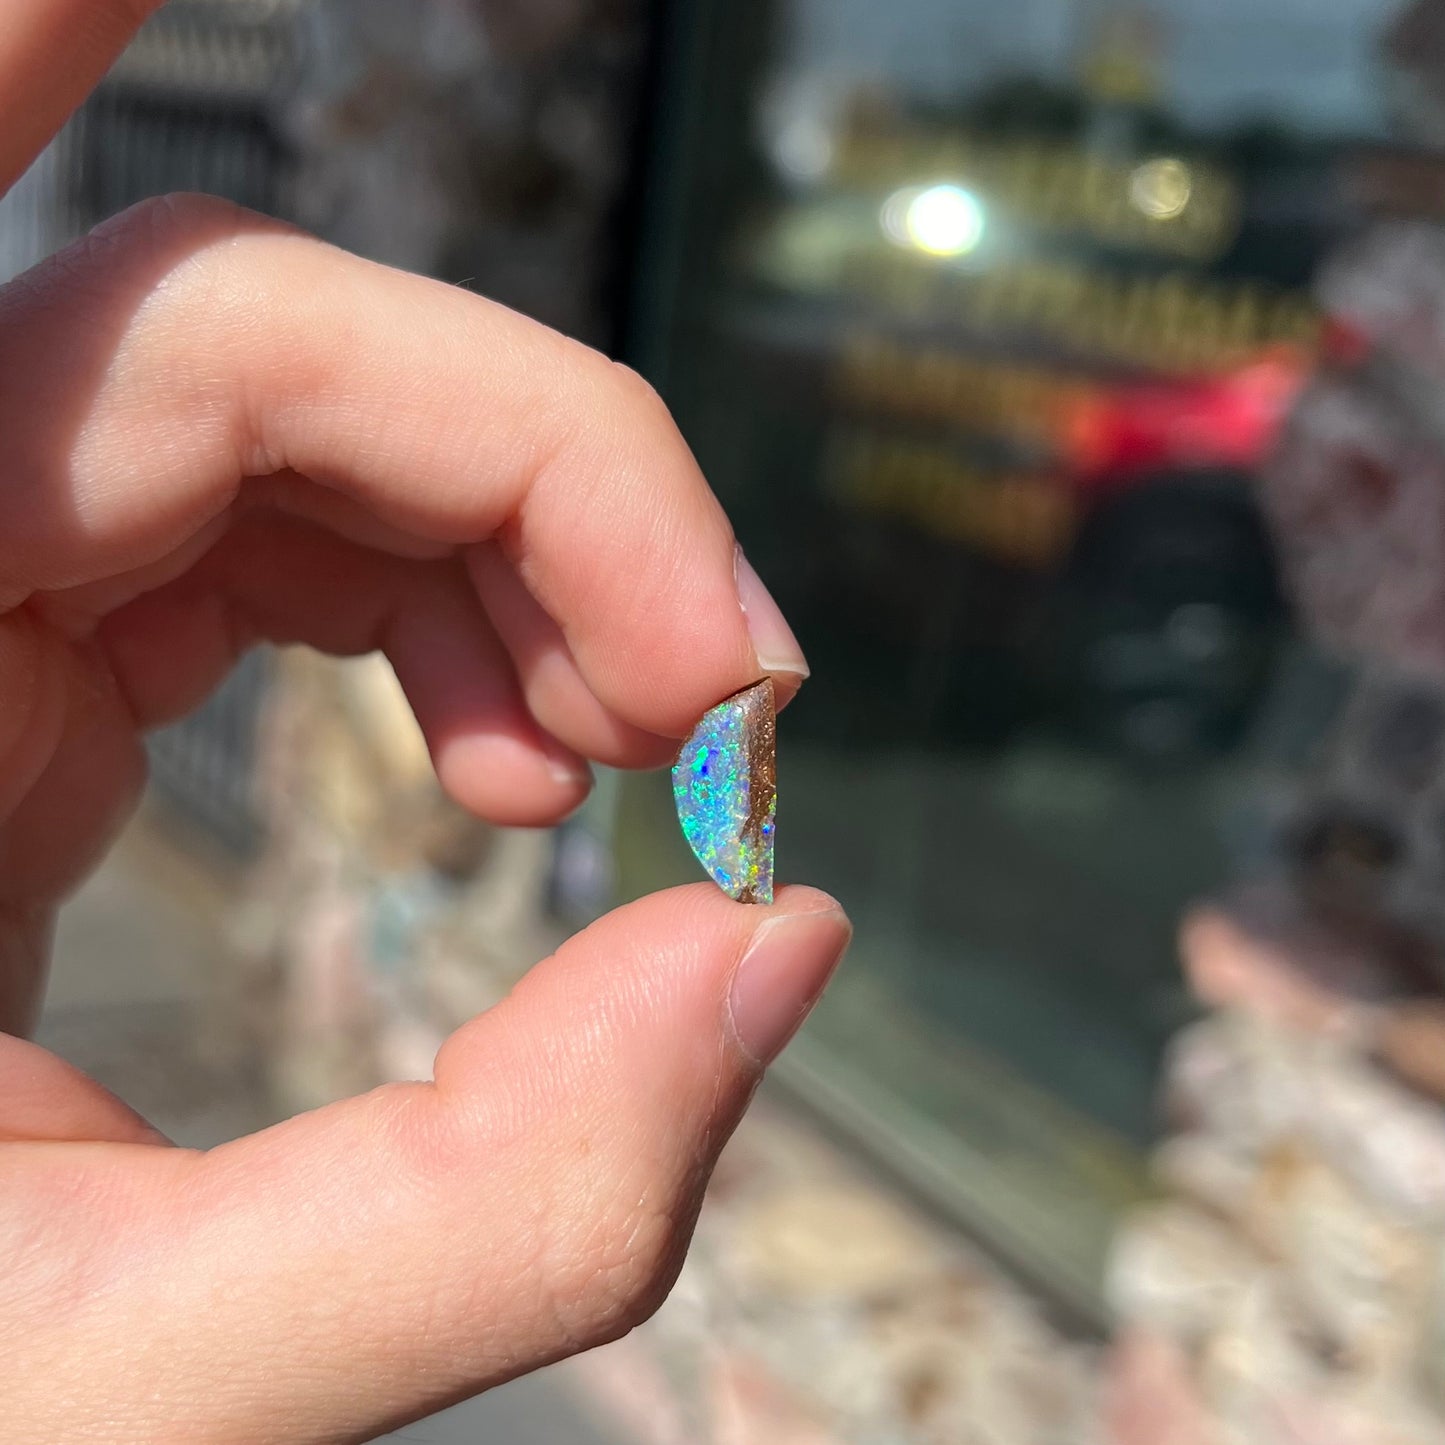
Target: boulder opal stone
pixel 725 785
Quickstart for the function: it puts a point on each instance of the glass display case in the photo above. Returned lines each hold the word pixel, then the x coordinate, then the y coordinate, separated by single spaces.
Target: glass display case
pixel 1030 348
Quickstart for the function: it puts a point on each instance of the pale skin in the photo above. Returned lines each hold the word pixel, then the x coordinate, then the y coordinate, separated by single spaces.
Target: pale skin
pixel 217 431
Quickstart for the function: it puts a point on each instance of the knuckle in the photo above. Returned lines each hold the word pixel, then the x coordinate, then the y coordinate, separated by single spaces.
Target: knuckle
pixel 609 1206
pixel 619 1271
pixel 611 1262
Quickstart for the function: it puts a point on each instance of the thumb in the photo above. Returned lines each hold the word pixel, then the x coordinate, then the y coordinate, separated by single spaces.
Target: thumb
pixel 361 1266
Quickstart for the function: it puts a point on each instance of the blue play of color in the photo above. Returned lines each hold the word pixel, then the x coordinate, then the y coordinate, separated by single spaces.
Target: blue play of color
pixel 712 786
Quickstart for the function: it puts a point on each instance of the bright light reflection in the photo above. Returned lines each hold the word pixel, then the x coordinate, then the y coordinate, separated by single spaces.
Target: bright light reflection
pixel 943 220
pixel 1161 188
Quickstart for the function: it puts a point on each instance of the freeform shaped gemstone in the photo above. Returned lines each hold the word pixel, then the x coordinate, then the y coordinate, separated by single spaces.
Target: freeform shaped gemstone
pixel 725 785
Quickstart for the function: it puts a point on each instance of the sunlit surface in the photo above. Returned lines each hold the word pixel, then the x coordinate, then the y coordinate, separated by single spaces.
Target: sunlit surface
pixel 941 220
pixel 1161 188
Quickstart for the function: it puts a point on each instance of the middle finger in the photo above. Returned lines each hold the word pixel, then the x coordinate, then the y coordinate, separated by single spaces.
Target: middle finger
pixel 276 579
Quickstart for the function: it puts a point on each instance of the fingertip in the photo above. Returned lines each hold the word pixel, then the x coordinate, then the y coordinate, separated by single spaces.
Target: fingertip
pixel 557 694
pixel 714 925
pixel 510 782
pixel 780 978
pixel 796 898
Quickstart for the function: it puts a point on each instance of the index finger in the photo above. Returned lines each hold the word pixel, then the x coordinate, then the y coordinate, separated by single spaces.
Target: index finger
pixel 190 346
pixel 52 53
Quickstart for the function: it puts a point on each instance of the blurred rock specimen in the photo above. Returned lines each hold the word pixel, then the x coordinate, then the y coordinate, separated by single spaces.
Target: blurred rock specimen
pixel 487 142
pixel 1290 1285
pixel 382 913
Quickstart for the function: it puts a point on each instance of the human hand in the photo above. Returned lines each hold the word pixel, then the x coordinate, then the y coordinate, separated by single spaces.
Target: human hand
pixel 218 431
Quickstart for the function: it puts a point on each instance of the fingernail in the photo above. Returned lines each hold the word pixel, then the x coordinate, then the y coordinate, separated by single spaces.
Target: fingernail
pixel 568 770
pixel 565 766
pixel 781 977
pixel 773 641
pixel 568 775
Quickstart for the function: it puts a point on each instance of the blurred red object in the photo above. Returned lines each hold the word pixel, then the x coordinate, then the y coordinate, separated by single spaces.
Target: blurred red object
pixel 1115 436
